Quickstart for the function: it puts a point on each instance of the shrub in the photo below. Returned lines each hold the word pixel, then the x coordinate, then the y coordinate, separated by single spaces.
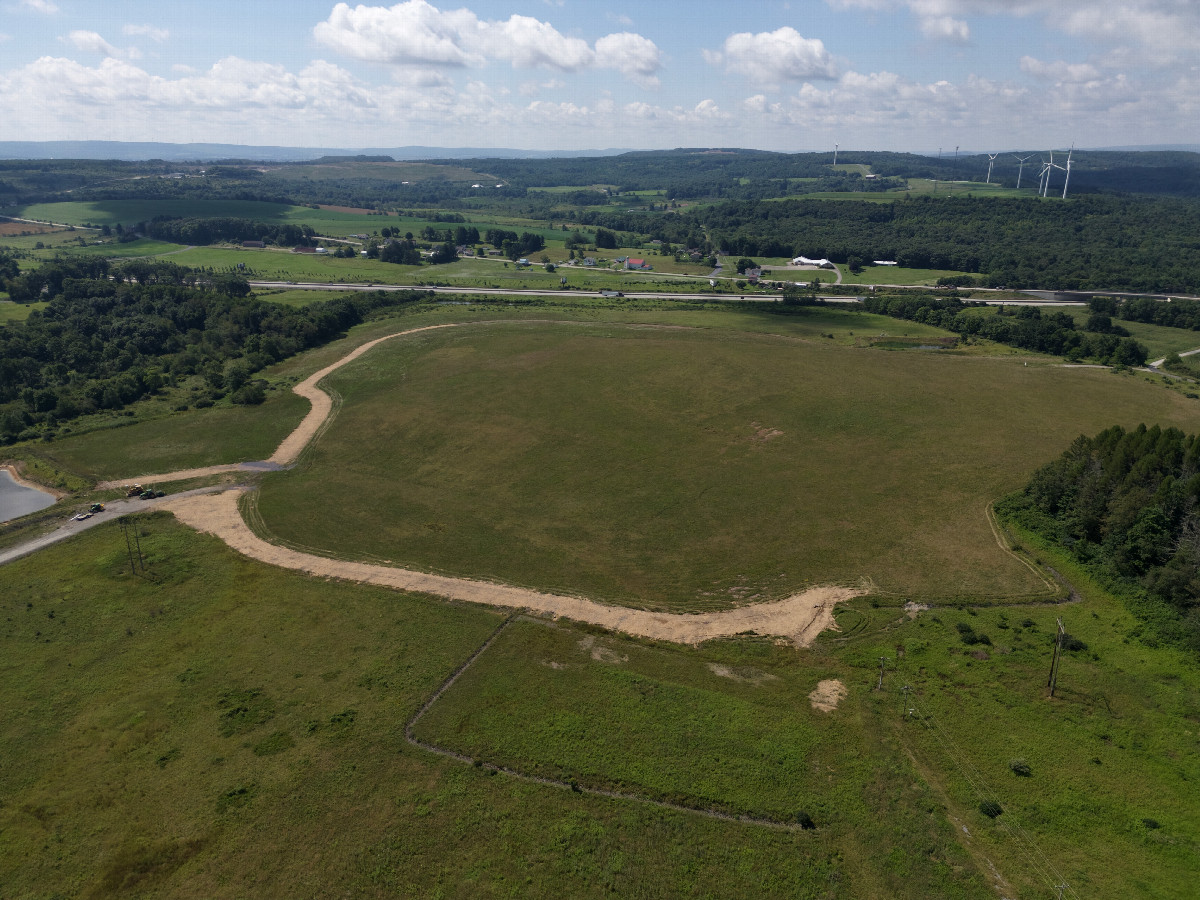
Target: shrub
pixel 1151 823
pixel 804 820
pixel 990 808
pixel 1020 767
pixel 970 636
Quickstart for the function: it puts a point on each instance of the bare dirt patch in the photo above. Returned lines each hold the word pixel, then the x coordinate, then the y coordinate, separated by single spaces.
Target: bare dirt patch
pixel 827 695
pixel 19 228
pixel 743 674
pixel 762 433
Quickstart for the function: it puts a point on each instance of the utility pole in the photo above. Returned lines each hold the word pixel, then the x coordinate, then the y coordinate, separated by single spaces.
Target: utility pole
pixel 1057 658
pixel 904 698
pixel 138 541
pixel 128 545
pixel 882 663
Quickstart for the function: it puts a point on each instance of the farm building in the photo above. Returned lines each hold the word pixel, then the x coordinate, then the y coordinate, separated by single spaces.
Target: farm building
pixel 255 245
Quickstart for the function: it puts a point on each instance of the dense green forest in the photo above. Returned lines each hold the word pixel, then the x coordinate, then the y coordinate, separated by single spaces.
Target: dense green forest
pixel 1102 243
pixel 1026 327
pixel 112 336
pixel 1127 504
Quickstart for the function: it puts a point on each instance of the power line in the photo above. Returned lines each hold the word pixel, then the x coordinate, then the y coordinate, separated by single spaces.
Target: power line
pixel 1025 843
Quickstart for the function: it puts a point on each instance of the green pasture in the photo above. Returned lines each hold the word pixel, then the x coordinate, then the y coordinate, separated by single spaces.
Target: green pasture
pixel 299 297
pixel 695 468
pixel 324 220
pixel 896 275
pixel 220 728
pixel 170 441
pixel 17 312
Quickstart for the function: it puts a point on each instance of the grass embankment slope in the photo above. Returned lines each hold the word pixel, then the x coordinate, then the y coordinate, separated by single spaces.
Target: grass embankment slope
pixel 689 469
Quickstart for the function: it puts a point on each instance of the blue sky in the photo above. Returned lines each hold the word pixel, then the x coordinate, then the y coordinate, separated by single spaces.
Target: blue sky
pixel 574 74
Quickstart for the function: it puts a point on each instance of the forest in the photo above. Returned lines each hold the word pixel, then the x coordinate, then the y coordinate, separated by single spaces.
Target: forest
pixel 111 336
pixel 1127 505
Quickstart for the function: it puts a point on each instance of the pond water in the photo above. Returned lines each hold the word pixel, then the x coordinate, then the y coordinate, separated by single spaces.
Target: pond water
pixel 18 500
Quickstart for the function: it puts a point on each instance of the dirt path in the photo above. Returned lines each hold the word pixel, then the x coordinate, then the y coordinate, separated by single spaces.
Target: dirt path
pixel 322 403
pixel 799 618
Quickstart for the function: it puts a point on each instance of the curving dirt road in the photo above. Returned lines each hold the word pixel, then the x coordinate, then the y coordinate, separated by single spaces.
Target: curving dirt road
pixel 799 618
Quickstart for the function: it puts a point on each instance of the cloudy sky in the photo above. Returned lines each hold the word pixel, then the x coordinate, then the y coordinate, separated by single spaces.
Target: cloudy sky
pixel 577 74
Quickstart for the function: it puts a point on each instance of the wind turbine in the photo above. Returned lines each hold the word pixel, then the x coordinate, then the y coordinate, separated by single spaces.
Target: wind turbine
pixel 1044 177
pixel 991 162
pixel 1067 169
pixel 835 150
pixel 1022 161
pixel 1068 178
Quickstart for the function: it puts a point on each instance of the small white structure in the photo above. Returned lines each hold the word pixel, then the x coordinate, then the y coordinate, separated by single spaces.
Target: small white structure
pixel 805 261
pixel 886 262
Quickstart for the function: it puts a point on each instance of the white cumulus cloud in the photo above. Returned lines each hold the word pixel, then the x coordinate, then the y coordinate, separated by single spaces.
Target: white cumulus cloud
pixel 634 56
pixel 772 57
pixel 155 34
pixel 417 33
pixel 42 6
pixel 91 42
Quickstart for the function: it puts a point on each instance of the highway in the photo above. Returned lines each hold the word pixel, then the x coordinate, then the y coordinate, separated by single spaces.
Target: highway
pixel 630 295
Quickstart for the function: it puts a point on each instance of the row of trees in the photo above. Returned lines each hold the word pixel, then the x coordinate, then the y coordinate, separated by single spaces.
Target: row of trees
pixel 1026 327
pixel 110 338
pixel 204 231
pixel 1127 504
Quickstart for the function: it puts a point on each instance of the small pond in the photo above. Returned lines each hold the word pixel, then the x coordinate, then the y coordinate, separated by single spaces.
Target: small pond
pixel 18 500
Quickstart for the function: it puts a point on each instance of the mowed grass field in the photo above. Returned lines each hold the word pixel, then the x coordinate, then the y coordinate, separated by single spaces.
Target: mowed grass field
pixel 690 468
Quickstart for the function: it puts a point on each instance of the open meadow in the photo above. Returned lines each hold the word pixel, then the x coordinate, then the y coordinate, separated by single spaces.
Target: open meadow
pixel 690 467
pixel 216 727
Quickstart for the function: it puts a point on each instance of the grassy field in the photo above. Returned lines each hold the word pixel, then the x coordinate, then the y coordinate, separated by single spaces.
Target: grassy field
pixel 337 222
pixel 464 448
pixel 172 441
pixel 896 275
pixel 221 729
pixel 17 312
pixel 218 728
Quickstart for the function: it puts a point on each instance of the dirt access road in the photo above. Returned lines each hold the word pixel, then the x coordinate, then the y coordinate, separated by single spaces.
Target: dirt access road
pixel 798 619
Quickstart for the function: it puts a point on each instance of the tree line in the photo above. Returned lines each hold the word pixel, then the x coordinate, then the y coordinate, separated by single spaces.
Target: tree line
pixel 1127 505
pixel 110 337
pixel 1026 327
pixel 212 230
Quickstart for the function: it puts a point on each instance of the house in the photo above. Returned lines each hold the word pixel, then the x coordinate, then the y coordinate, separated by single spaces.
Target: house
pixel 255 245
pixel 632 263
pixel 589 260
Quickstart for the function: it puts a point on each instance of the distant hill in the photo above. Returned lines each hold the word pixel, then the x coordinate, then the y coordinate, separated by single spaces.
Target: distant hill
pixel 133 151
